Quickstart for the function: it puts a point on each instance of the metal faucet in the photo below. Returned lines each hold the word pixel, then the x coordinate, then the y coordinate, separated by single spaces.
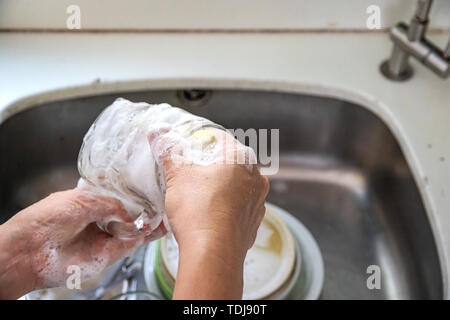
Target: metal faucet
pixel 410 41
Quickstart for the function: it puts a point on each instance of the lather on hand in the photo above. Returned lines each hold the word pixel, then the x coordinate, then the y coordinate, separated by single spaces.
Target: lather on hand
pixel 41 241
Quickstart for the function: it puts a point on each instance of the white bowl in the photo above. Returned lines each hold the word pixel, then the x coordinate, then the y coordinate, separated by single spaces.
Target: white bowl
pixel 268 266
pixel 307 277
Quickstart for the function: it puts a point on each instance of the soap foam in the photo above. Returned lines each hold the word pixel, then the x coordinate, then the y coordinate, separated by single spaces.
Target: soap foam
pixel 57 251
pixel 116 159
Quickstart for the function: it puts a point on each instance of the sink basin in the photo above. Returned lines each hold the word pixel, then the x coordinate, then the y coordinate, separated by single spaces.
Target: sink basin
pixel 341 173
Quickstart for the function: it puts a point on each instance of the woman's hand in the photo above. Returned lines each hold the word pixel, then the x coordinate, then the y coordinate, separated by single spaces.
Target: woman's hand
pixel 214 212
pixel 40 242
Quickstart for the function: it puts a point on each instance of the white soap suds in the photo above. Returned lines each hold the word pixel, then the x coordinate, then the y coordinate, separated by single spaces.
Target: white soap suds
pixel 116 159
pixel 53 263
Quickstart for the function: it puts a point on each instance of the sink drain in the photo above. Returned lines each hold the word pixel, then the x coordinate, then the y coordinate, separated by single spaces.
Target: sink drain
pixel 194 97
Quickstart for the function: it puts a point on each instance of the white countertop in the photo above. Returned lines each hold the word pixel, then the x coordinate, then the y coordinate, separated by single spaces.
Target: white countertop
pixel 213 14
pixel 41 67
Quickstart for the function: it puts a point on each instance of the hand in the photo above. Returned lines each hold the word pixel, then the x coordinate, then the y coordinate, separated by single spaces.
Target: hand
pixel 213 210
pixel 40 242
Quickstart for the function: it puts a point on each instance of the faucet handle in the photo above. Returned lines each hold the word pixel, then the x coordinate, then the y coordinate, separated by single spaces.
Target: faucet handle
pixel 447 50
pixel 423 9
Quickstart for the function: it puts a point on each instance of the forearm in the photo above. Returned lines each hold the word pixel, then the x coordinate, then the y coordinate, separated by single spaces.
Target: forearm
pixel 209 269
pixel 15 268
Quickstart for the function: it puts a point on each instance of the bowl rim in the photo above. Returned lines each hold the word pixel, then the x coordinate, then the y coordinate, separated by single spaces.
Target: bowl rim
pixel 288 263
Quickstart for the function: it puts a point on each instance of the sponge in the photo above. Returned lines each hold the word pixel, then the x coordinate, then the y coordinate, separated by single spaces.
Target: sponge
pixel 205 137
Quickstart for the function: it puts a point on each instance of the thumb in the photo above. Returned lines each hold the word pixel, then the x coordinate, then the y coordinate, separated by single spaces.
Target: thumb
pixel 118 248
pixel 157 233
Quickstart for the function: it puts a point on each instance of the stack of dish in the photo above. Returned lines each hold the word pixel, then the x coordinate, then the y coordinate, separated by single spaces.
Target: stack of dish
pixel 274 268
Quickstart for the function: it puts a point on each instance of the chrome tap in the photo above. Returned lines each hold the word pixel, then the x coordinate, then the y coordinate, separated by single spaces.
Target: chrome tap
pixel 409 40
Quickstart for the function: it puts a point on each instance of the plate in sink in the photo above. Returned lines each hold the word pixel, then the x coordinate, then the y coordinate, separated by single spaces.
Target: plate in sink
pixel 310 281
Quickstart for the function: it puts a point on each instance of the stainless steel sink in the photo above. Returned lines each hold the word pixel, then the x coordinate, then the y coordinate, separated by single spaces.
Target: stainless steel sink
pixel 341 173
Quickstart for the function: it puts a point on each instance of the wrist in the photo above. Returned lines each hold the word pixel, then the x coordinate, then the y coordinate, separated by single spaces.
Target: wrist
pixel 211 244
pixel 209 269
pixel 16 272
pixel 215 226
pixel 221 239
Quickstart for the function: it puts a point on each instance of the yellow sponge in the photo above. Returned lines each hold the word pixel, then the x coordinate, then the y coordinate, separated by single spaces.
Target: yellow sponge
pixel 204 136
